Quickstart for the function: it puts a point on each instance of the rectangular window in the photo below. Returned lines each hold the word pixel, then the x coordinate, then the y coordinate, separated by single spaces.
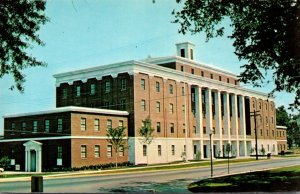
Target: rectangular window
pixel 192 54
pixel 194 129
pixel 182 53
pixel 158 127
pixel 13 126
pixel 236 82
pixel 35 126
pixel 202 73
pixel 157 107
pixel 59 152
pixel 78 88
pixel 143 84
pixel 171 108
pixel 157 86
pixel 183 127
pixel 97 151
pixel 107 86
pixel 173 150
pixel 47 125
pixel 171 89
pixel 96 125
pixel 123 84
pixel 227 80
pixel 181 68
pixel 121 150
pixel 193 71
pixel 267 121
pixel 109 124
pixel 143 105
pixel 92 89
pixel 211 76
pixel 144 150
pixel 64 93
pixel 182 91
pixel 23 126
pixel 83 151
pixel 59 125
pixel 159 150
pixel 172 127
pixel 123 104
pixel 83 124
pixel 204 130
pixel 220 78
pixel 121 123
pixel 109 151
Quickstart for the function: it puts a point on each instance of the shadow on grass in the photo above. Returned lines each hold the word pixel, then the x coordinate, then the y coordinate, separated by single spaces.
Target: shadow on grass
pixel 264 181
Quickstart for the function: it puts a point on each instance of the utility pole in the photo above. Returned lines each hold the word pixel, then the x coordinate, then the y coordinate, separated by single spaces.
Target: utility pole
pixel 255 129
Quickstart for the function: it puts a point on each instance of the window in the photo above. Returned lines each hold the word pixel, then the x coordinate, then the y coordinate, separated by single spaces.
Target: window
pixel 78 88
pixel 35 126
pixel 109 151
pixel 109 124
pixel 171 89
pixel 143 105
pixel 267 121
pixel 192 54
pixel 173 150
pixel 121 150
pixel 204 130
pixel 83 124
pixel 92 89
pixel 157 86
pixel 143 84
pixel 182 53
pixel 172 127
pixel 157 107
pixel 259 105
pixel 59 151
pixel 144 150
pixel 123 84
pixel 227 80
pixel 183 128
pixel 266 106
pixel 59 125
pixel 202 73
pixel 158 127
pixel 64 93
pixel 83 151
pixel 220 78
pixel 121 123
pixel 194 129
pixel 47 125
pixel 96 125
pixel 236 82
pixel 171 108
pixel 211 76
pixel 123 104
pixel 107 86
pixel 23 126
pixel 261 132
pixel 181 68
pixel 182 91
pixel 159 150
pixel 97 151
pixel 13 126
pixel 183 109
pixel 192 71
pixel 272 120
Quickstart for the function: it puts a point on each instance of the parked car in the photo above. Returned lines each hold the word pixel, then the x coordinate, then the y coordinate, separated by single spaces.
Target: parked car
pixel 1 169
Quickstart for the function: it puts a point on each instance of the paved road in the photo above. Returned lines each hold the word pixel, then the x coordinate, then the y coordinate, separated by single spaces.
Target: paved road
pixel 160 181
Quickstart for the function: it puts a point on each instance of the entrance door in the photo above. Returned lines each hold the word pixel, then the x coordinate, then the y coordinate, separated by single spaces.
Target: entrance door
pixel 205 151
pixel 215 151
pixel 32 161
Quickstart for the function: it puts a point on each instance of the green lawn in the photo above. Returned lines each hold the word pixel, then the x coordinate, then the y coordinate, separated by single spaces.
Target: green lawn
pixel 278 180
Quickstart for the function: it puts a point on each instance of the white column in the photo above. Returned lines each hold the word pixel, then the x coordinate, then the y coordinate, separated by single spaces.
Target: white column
pixel 26 160
pixel 243 122
pixel 226 119
pixel 208 106
pixel 39 160
pixel 235 123
pixel 199 118
pixel 218 119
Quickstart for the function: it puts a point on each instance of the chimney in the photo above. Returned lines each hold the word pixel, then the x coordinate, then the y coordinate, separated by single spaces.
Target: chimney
pixel 185 50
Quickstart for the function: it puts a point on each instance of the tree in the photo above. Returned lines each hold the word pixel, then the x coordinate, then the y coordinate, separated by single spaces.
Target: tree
pixel 19 22
pixel 4 162
pixel 266 34
pixel 117 138
pixel 146 132
pixel 282 117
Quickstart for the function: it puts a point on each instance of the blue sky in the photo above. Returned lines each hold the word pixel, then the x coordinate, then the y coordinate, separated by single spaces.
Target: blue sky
pixel 86 33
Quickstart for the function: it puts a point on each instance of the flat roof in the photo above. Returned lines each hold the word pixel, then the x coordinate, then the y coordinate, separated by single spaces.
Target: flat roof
pixel 71 109
pixel 280 127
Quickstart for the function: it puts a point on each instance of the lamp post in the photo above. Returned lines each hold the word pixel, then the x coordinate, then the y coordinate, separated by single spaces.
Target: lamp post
pixel 211 162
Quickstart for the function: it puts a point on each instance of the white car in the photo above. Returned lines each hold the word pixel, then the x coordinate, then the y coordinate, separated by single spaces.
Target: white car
pixel 1 169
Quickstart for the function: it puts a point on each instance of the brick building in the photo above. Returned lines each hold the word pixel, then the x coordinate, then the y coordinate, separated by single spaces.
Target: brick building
pixel 187 102
pixel 281 138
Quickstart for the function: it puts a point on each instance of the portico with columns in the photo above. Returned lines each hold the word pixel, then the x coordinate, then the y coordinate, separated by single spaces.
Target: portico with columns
pixel 33 156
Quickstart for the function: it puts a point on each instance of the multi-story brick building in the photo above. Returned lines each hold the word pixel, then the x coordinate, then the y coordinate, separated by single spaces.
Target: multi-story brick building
pixel 63 137
pixel 185 100
pixel 281 137
pixel 188 102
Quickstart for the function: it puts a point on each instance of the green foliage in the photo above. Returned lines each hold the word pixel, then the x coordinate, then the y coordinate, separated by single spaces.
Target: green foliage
pixel 4 162
pixel 19 21
pixel 146 131
pixel 282 117
pixel 266 34
pixel 263 151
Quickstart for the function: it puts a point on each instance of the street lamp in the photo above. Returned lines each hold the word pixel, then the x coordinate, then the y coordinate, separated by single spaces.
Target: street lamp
pixel 211 162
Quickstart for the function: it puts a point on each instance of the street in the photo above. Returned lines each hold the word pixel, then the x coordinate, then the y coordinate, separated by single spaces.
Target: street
pixel 158 181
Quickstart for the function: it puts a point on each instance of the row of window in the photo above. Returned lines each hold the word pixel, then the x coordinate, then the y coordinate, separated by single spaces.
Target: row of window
pixel 97 124
pixel 97 153
pixel 46 125
pixel 159 150
pixel 260 106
